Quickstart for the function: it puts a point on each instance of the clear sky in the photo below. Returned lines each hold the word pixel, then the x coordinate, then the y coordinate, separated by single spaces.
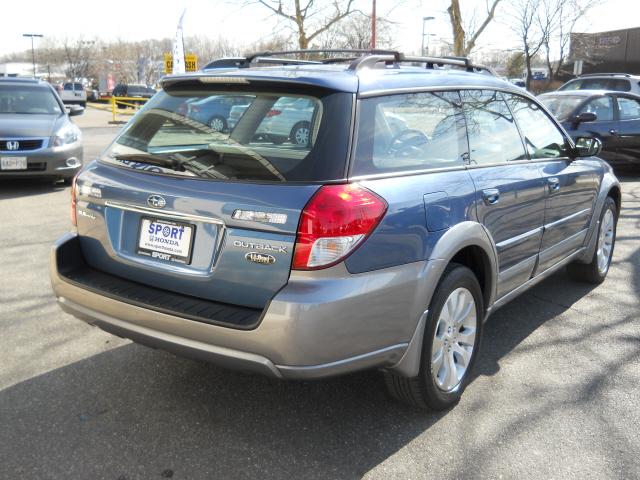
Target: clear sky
pixel 135 20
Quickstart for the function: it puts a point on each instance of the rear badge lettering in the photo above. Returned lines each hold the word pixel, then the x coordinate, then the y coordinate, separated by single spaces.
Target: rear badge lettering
pixel 262 258
pixel 260 246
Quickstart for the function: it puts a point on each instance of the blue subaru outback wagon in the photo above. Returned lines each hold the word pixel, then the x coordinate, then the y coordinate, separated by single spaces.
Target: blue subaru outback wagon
pixel 428 194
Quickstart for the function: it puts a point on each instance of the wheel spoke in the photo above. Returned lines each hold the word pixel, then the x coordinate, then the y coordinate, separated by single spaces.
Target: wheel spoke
pixel 467 337
pixel 463 355
pixel 451 379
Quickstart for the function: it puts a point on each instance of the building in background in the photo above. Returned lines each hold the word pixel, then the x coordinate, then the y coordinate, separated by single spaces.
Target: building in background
pixel 16 69
pixel 617 51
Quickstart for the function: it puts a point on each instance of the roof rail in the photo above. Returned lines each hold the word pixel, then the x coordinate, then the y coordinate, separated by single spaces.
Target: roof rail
pixel 463 62
pixel 603 74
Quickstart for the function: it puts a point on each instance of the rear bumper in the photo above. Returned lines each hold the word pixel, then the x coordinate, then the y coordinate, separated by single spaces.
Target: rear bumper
pixel 319 325
pixel 49 162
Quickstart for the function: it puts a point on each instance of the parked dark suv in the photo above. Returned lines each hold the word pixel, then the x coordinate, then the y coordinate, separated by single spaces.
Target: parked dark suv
pixel 426 197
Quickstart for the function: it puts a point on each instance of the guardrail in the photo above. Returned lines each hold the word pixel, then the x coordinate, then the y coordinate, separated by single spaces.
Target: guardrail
pixel 123 102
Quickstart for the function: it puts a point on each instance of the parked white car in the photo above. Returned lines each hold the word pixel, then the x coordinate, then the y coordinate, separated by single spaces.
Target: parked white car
pixel 73 93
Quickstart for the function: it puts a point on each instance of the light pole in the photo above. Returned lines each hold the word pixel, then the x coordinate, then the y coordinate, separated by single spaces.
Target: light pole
pixel 33 52
pixel 424 20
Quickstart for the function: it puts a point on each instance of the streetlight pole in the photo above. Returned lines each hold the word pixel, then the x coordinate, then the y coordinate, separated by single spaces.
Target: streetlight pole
pixel 373 25
pixel 424 20
pixel 33 52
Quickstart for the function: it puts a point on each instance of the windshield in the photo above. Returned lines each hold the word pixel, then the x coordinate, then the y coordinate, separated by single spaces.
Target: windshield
pixel 28 99
pixel 561 106
pixel 255 136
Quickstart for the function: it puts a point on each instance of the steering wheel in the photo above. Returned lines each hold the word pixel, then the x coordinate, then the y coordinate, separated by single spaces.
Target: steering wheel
pixel 407 139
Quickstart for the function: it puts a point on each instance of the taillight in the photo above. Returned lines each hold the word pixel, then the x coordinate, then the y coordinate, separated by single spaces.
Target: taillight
pixel 273 113
pixel 334 222
pixel 194 108
pixel 74 218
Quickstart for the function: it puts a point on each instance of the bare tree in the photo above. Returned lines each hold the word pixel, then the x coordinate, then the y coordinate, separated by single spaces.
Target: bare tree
pixel 533 21
pixel 465 38
pixel 310 18
pixel 557 45
pixel 355 32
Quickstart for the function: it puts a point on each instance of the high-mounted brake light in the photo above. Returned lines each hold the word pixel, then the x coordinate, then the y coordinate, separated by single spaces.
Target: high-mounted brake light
pixel 74 217
pixel 334 222
pixel 272 113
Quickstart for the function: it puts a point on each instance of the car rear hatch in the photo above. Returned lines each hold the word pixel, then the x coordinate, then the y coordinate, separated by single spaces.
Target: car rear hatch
pixel 177 206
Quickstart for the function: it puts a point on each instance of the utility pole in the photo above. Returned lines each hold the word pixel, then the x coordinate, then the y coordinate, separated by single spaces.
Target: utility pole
pixel 373 25
pixel 424 20
pixel 33 52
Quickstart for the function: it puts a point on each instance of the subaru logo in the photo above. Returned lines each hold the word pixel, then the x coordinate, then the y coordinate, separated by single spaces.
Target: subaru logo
pixel 156 201
pixel 13 145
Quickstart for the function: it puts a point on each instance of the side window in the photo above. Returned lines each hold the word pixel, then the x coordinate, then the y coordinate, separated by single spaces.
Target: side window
pixel 619 85
pixel 602 107
pixel 573 85
pixel 492 131
pixel 541 136
pixel 409 132
pixel 629 108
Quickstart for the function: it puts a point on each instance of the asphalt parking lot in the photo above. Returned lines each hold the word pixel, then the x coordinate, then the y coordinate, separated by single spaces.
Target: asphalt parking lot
pixel 555 395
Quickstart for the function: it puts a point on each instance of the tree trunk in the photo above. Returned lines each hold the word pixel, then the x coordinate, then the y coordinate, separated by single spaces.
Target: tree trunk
pixel 456 26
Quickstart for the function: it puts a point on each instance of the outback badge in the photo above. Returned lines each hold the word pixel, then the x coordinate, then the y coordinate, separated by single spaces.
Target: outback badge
pixel 262 258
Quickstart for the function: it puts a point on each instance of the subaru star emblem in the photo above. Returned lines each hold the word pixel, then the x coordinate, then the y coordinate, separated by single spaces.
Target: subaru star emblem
pixel 13 145
pixel 156 201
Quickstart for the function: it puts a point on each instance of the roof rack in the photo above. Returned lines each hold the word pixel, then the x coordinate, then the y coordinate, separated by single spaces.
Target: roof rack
pixel 356 53
pixel 603 74
pixel 359 59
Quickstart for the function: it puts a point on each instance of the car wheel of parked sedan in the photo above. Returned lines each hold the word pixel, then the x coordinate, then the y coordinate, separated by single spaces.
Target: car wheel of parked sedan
pixel 218 123
pixel 300 133
pixel 450 345
pixel 596 271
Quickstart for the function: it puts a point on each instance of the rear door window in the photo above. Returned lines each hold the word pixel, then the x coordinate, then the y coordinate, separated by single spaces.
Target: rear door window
pixel 629 108
pixel 271 137
pixel 492 131
pixel 409 132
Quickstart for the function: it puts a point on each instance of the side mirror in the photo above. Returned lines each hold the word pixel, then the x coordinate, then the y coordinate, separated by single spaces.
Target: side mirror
pixel 588 147
pixel 74 110
pixel 584 117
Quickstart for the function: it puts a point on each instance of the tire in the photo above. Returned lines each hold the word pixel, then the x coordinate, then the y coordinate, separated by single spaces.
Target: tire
pixel 439 390
pixel 300 134
pixel 596 271
pixel 217 123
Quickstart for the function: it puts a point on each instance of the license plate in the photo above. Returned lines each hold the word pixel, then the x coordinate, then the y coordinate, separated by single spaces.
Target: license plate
pixel 13 163
pixel 166 240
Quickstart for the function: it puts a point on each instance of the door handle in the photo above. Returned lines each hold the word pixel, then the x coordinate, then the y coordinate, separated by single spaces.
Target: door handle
pixel 613 131
pixel 554 184
pixel 491 196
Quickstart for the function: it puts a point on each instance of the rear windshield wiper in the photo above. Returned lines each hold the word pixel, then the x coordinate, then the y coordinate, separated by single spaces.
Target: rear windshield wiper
pixel 157 160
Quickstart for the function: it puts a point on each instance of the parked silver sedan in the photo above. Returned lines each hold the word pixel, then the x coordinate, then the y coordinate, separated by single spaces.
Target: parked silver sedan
pixel 36 136
pixel 288 119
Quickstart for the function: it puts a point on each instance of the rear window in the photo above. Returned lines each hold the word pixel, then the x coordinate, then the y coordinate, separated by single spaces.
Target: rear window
pixel 73 86
pixel 268 137
pixel 28 99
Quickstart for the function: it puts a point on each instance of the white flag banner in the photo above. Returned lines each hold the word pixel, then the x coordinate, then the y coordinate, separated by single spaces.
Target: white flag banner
pixel 178 48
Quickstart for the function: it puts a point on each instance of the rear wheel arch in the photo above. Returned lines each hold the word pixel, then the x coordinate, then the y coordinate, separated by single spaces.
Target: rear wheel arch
pixel 476 259
pixel 616 194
